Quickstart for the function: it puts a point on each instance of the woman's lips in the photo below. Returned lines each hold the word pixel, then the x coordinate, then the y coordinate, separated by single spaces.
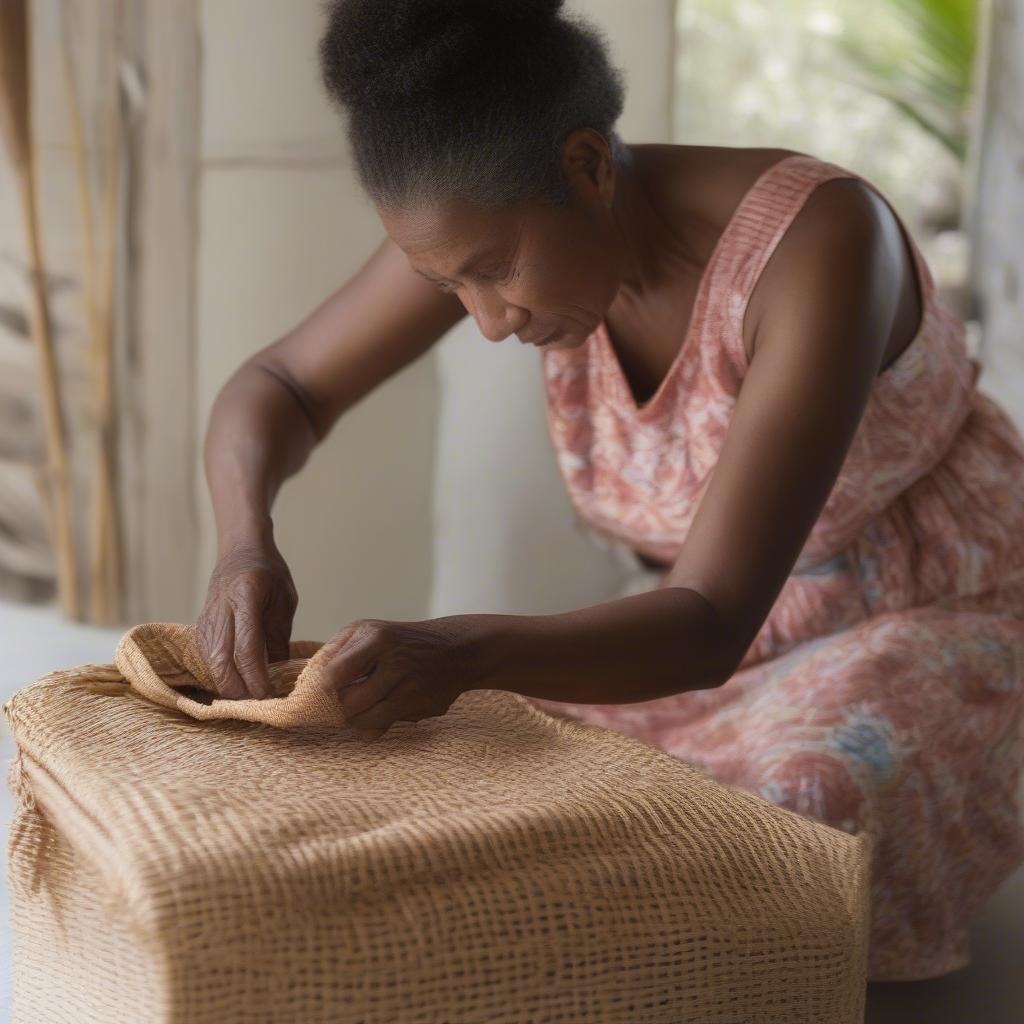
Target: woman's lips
pixel 546 339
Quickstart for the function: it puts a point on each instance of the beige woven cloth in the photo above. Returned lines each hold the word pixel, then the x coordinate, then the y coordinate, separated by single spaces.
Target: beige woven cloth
pixel 492 865
pixel 162 660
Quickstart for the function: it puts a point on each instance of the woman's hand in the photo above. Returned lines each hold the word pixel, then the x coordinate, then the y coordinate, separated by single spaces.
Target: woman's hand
pixel 385 672
pixel 247 619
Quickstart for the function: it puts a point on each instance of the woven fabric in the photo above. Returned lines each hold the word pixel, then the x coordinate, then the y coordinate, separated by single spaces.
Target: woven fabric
pixel 163 662
pixel 495 864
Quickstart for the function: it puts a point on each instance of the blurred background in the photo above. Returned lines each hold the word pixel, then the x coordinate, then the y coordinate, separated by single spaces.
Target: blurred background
pixel 176 193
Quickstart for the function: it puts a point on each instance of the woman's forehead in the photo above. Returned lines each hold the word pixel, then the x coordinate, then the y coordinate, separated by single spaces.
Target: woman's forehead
pixel 453 233
pixel 461 222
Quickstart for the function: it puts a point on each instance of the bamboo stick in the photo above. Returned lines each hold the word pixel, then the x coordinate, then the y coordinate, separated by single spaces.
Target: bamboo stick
pixel 16 126
pixel 106 560
pixel 99 291
pixel 112 523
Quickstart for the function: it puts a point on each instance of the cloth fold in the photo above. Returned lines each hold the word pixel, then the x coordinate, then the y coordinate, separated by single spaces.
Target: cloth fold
pixel 162 661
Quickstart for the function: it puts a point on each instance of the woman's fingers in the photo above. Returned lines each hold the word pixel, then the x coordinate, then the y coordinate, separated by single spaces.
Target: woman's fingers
pixel 247 620
pixel 361 695
pixel 278 622
pixel 217 642
pixel 250 654
pixel 402 702
pixel 235 652
pixel 250 596
pixel 278 634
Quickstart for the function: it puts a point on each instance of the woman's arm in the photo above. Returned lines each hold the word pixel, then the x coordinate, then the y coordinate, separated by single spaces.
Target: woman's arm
pixel 631 649
pixel 257 436
pixel 819 345
pixel 834 287
pixel 264 424
pixel 284 400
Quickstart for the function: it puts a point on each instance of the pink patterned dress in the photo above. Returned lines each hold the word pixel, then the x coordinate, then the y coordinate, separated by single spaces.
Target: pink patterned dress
pixel 885 690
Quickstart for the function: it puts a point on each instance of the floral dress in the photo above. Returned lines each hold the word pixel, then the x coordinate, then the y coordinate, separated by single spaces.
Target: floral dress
pixel 885 690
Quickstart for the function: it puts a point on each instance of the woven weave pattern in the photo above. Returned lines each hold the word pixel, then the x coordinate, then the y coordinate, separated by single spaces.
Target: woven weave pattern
pixel 163 662
pixel 496 864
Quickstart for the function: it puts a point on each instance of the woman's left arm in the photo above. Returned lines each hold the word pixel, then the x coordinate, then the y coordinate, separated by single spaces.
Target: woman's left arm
pixel 832 290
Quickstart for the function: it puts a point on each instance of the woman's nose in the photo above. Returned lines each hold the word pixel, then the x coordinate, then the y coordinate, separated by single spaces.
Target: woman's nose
pixel 498 319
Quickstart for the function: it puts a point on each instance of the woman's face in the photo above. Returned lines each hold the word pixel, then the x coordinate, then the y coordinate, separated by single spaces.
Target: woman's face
pixel 529 270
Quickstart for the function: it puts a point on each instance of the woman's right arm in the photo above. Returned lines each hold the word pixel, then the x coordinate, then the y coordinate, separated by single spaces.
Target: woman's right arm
pixel 265 422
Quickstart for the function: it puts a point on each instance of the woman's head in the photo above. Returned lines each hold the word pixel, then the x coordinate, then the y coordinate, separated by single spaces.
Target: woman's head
pixel 486 128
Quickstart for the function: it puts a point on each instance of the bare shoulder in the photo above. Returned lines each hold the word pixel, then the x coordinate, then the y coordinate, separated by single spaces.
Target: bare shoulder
pixel 840 214
pixel 844 224
pixel 843 229
pixel 706 183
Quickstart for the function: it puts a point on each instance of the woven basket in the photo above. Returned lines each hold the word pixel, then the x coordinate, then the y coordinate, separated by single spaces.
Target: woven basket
pixel 492 865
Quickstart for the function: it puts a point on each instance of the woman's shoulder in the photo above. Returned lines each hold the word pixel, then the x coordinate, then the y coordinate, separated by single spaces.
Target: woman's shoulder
pixel 706 183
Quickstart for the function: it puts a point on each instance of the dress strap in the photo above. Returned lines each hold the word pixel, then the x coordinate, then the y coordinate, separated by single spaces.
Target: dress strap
pixel 769 209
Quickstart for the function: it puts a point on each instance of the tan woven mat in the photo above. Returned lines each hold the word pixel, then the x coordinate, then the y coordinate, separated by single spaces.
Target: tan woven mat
pixel 492 865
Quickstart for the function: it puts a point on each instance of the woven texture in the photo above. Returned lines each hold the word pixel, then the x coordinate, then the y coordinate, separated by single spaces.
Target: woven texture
pixel 163 662
pixel 496 864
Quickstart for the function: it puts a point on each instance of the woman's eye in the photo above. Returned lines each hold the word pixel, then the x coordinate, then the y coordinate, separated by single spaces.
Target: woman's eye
pixel 492 275
pixel 498 273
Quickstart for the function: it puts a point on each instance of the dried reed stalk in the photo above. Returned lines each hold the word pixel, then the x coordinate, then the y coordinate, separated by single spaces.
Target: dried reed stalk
pixel 16 126
pixel 104 534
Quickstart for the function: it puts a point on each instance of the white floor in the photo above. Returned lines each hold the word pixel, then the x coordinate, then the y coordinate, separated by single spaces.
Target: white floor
pixel 34 641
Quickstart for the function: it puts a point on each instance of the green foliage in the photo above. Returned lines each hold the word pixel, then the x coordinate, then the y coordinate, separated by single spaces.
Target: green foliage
pixel 918 55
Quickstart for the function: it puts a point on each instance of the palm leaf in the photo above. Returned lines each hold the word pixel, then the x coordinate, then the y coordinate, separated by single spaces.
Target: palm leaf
pixel 925 68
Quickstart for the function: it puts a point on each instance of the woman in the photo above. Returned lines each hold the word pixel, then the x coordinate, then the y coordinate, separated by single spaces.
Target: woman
pixel 749 381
